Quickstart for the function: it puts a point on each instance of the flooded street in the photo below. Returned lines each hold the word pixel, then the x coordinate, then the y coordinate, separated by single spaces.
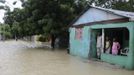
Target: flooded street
pixel 20 58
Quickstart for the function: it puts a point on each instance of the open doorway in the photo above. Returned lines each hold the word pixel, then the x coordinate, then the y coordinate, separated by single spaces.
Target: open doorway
pixel 93 42
pixel 120 34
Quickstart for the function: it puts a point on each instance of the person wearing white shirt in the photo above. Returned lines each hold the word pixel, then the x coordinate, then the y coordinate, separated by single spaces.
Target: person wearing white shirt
pixel 99 45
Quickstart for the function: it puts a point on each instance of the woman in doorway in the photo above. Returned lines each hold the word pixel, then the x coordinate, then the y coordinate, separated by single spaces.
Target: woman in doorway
pixel 115 47
pixel 107 46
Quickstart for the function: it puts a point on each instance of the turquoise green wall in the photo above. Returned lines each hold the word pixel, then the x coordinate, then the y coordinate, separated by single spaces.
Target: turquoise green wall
pixel 119 60
pixel 130 60
pixel 82 47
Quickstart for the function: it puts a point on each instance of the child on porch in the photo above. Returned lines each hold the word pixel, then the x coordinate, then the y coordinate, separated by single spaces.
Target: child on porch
pixel 115 47
pixel 107 46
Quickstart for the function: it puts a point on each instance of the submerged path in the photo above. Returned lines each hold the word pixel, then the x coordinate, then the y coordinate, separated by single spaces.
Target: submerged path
pixel 22 58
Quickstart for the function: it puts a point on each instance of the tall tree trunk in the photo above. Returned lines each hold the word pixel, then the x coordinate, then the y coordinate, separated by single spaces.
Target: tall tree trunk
pixel 53 41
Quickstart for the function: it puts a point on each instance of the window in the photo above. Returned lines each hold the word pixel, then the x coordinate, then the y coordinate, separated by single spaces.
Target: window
pixel 121 35
pixel 78 33
pixel 115 41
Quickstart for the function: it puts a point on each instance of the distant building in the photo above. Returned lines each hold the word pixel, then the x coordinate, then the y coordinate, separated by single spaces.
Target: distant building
pixel 110 23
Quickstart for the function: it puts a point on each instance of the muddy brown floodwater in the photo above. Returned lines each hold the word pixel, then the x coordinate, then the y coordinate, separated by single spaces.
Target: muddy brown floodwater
pixel 16 58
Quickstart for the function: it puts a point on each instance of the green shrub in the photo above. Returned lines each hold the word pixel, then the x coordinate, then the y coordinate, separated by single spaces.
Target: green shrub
pixel 41 39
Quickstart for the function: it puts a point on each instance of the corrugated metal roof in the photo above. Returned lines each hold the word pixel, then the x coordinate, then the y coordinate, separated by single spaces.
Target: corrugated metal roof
pixel 126 14
pixel 118 12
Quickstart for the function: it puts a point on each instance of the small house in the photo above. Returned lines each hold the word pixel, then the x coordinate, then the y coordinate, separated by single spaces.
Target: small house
pixel 110 23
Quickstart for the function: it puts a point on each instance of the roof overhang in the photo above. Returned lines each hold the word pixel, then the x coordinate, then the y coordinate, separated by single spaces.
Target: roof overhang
pixel 112 11
pixel 103 22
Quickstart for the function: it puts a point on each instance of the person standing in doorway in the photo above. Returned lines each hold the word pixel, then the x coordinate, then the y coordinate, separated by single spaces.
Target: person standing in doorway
pixel 115 47
pixel 99 45
pixel 107 46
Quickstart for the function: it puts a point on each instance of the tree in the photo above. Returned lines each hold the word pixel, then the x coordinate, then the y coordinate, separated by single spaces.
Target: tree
pixel 5 30
pixel 53 16
pixel 45 16
pixel 125 5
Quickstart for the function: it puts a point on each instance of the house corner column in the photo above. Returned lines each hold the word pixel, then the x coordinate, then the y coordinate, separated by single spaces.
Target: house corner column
pixel 130 61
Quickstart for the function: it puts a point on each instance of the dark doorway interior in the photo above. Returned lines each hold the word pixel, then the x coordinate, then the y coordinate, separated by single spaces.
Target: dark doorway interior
pixel 121 34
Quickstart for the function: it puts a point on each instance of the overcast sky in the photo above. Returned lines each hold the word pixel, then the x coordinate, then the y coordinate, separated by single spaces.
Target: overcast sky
pixel 9 3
